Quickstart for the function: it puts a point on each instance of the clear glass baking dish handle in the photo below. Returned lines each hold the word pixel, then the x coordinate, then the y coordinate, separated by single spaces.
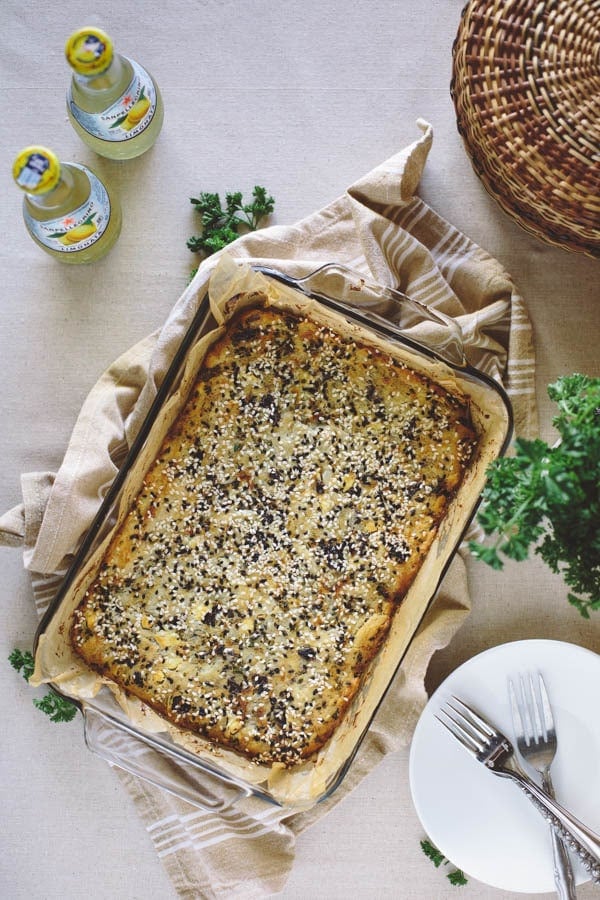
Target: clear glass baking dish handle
pixel 148 757
pixel 389 308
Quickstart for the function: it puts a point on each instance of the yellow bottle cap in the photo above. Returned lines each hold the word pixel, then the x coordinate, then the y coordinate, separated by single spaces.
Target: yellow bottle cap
pixel 36 170
pixel 89 51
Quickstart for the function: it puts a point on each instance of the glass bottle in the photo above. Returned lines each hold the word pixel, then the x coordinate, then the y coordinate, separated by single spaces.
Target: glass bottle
pixel 113 103
pixel 67 210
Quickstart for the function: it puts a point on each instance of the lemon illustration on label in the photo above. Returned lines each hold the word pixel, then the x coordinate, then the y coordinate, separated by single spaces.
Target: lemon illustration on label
pixel 134 115
pixel 77 234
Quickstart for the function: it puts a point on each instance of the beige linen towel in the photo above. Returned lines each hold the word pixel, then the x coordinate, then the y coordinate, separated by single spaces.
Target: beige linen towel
pixel 381 228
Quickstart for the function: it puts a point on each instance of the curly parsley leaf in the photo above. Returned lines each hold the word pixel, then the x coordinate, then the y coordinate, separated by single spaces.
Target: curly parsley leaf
pixel 22 661
pixel 58 708
pixel 432 852
pixel 223 225
pixel 548 497
pixel 456 876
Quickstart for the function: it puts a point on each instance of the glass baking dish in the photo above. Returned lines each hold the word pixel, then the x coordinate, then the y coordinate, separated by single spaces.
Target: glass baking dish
pixel 430 341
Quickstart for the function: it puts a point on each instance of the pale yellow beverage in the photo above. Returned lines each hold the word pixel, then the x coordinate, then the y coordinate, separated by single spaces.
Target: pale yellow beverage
pixel 113 102
pixel 68 211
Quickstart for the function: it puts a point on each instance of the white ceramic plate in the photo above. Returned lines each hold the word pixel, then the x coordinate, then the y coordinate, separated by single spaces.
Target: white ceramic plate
pixel 482 823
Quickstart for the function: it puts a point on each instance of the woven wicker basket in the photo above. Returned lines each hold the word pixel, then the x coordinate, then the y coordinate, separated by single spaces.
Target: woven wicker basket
pixel 526 88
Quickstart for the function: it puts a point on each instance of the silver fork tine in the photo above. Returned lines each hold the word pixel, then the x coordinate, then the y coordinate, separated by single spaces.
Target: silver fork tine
pixel 526 706
pixel 473 718
pixel 539 731
pixel 515 708
pixel 456 729
pixel 470 729
pixel 548 723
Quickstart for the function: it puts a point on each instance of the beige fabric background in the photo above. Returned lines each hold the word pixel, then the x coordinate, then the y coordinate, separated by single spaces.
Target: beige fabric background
pixel 304 106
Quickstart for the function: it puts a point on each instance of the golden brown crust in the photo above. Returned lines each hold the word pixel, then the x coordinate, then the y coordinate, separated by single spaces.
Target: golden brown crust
pixel 284 519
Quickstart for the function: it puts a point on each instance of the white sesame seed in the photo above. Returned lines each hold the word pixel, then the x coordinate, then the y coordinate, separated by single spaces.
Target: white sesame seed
pixel 278 520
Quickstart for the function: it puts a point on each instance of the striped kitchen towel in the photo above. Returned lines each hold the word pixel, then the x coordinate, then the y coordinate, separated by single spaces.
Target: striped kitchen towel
pixel 381 228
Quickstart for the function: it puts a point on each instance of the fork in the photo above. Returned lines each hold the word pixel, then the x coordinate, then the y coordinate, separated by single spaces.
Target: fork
pixel 533 724
pixel 494 750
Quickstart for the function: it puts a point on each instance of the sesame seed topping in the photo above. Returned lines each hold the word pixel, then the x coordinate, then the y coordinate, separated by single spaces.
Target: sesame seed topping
pixel 281 524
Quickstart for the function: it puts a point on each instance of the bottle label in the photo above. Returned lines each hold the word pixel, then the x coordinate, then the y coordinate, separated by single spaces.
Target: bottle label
pixel 127 116
pixel 78 229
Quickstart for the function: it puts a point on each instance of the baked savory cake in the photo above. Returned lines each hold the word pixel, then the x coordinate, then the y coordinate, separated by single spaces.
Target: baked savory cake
pixel 282 522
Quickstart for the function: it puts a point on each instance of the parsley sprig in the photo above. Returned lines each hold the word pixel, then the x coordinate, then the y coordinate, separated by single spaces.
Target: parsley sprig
pixel 222 226
pixel 57 708
pixel 549 496
pixel 456 876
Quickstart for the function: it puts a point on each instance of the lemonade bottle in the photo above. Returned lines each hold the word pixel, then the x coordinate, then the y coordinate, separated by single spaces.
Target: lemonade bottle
pixel 67 210
pixel 113 103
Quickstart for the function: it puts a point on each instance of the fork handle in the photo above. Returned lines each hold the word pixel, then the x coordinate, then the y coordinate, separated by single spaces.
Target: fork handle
pixel 563 870
pixel 577 836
